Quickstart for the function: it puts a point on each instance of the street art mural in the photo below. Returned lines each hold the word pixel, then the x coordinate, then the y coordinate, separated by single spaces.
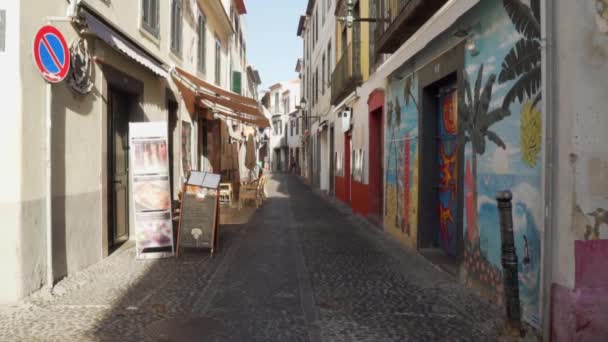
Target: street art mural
pixel 448 167
pixel 401 146
pixel 500 122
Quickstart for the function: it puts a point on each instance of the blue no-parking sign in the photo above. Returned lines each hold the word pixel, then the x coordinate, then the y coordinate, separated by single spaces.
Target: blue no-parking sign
pixel 51 54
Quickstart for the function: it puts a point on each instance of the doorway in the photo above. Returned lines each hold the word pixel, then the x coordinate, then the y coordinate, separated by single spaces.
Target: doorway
pixel 376 164
pixel 172 110
pixel 119 108
pixel 332 162
pixel 347 174
pixel 441 165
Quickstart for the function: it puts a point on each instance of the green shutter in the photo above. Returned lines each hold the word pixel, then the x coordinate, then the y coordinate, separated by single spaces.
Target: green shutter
pixel 236 82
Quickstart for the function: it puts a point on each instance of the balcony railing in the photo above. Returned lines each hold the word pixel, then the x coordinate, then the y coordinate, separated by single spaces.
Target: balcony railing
pixel 402 18
pixel 347 73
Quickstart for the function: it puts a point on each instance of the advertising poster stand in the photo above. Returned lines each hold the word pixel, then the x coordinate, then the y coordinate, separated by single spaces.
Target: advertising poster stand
pixel 150 190
pixel 199 214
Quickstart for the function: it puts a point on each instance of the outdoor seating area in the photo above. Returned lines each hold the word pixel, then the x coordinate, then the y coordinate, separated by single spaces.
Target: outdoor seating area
pixel 253 191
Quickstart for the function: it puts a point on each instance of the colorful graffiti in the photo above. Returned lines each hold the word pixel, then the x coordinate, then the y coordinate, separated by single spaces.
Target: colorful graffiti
pixel 401 185
pixel 499 125
pixel 506 115
pixel 448 153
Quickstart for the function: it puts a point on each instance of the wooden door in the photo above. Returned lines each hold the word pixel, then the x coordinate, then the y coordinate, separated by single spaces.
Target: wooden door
pixel 376 162
pixel 118 161
pixel 448 167
pixel 347 166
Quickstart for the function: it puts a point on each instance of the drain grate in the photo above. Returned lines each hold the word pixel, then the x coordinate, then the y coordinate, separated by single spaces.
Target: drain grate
pixel 187 329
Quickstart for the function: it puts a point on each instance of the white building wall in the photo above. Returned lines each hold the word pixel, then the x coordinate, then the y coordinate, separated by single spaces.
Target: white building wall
pixel 79 137
pixel 10 138
pixel 580 185
pixel 322 110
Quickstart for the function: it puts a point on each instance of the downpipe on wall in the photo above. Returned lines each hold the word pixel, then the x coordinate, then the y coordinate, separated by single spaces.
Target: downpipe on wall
pixel 548 108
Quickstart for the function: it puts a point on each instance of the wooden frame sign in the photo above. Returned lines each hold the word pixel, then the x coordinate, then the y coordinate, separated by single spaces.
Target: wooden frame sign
pixel 199 215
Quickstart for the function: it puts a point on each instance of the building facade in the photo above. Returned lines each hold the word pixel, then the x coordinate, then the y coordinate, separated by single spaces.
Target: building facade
pixel 66 203
pixel 445 103
pixel 317 30
pixel 281 100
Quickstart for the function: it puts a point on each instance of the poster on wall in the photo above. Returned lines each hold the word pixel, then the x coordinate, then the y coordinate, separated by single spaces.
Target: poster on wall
pixel 186 147
pixel 150 190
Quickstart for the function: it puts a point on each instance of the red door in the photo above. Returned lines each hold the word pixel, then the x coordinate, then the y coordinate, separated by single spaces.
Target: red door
pixel 376 162
pixel 347 175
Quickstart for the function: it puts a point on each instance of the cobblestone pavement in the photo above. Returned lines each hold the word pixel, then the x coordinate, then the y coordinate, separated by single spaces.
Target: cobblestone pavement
pixel 301 269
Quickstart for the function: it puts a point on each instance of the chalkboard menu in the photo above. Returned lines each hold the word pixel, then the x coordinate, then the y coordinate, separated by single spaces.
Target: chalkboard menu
pixel 199 217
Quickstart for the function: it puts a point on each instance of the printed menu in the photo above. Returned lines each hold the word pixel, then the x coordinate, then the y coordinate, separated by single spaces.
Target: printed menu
pixel 151 190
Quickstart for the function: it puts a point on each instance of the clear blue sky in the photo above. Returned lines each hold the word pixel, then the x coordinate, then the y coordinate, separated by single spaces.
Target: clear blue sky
pixel 273 46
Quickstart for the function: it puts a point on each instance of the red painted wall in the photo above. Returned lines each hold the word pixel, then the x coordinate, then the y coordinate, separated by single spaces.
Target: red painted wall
pixel 360 198
pixel 341 193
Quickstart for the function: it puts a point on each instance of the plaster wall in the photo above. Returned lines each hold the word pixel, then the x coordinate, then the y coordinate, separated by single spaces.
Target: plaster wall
pixel 10 138
pixel 581 182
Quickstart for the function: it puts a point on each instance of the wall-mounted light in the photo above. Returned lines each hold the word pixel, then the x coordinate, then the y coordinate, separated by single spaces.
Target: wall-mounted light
pixel 471 47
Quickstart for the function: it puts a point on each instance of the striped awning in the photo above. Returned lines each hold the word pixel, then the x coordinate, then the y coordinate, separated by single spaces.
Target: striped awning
pixel 116 40
pixel 221 102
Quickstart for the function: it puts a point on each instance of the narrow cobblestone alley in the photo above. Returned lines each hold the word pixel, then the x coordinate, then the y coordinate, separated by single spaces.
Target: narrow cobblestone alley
pixel 300 270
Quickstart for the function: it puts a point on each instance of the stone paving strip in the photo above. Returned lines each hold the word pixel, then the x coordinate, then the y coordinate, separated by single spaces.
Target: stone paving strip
pixel 302 269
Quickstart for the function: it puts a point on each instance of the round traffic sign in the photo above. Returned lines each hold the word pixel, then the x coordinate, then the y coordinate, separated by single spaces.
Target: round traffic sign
pixel 51 54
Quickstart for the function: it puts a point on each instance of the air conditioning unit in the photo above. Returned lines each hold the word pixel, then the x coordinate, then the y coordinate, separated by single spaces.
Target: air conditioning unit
pixel 345 115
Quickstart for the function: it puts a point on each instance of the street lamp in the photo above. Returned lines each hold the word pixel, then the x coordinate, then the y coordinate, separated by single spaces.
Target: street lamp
pixel 350 16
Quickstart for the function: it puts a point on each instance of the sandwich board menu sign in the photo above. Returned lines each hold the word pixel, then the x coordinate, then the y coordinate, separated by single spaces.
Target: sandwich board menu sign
pixel 199 215
pixel 150 190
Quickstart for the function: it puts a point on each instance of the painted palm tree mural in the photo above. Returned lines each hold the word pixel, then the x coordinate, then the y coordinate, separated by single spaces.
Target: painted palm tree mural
pixel 475 121
pixel 523 65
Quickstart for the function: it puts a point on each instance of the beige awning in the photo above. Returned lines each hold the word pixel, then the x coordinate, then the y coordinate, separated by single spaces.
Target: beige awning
pixel 221 102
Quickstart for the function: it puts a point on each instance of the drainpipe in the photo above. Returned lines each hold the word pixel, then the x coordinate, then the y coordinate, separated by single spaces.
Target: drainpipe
pixel 550 134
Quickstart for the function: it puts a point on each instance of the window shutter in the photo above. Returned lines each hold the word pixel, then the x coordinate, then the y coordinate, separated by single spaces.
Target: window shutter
pixel 145 11
pixel 2 30
pixel 155 15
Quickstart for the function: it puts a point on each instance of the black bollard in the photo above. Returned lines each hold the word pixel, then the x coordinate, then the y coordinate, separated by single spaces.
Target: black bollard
pixel 509 261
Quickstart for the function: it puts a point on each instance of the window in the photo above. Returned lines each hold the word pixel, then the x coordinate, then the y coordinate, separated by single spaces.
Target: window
pixel 202 44
pixel 149 16
pixel 314 29
pixel 276 102
pixel 2 30
pixel 176 27
pixel 323 11
pixel 329 62
pixel 218 61
pixel 323 75
pixel 237 82
pixel 317 26
pixel 291 128
pixel 297 126
pixel 277 127
pixel 316 85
